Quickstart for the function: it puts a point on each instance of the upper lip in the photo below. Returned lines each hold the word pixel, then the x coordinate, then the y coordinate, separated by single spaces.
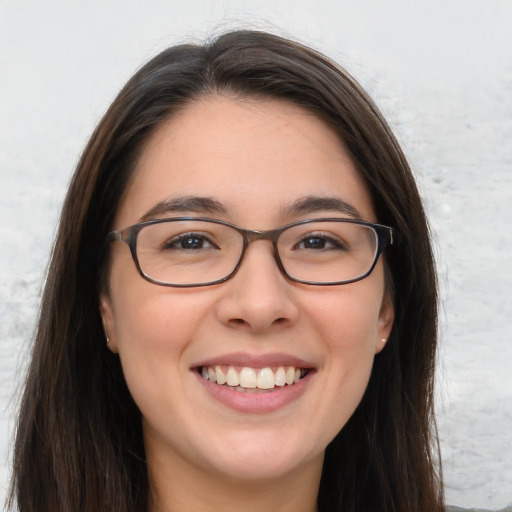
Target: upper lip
pixel 255 361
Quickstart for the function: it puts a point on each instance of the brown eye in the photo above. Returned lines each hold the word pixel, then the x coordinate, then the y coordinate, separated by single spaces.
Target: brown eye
pixel 318 242
pixel 190 241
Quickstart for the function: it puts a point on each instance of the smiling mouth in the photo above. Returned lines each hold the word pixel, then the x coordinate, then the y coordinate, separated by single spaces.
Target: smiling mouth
pixel 250 380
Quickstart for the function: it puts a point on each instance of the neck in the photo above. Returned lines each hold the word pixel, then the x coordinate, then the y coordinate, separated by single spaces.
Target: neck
pixel 178 487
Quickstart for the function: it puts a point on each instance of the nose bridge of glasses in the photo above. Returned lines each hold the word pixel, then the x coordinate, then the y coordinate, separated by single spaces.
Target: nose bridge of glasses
pixel 254 235
pixel 258 235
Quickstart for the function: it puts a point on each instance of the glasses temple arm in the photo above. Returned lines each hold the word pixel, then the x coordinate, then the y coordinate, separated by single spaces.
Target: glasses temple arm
pixel 115 236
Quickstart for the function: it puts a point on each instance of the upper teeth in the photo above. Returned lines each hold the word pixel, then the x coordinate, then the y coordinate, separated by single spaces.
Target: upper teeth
pixel 250 378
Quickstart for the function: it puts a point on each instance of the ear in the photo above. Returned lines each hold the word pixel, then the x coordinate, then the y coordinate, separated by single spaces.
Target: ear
pixel 108 320
pixel 385 322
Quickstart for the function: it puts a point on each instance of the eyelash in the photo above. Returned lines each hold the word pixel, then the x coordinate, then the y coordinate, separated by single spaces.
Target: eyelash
pixel 188 236
pixel 336 243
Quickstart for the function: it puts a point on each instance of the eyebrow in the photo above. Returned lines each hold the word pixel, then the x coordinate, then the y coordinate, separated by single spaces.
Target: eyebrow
pixel 182 204
pixel 199 204
pixel 315 204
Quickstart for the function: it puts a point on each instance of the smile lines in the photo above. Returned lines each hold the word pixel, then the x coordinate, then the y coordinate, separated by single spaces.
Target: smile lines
pixel 253 378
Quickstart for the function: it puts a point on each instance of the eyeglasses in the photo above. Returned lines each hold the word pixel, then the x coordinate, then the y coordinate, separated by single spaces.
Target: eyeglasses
pixel 191 251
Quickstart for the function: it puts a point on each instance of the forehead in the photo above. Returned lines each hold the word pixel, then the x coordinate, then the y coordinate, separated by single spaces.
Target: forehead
pixel 251 155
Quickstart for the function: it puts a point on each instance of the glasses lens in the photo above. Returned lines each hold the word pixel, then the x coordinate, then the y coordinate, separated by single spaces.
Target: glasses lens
pixel 328 251
pixel 188 252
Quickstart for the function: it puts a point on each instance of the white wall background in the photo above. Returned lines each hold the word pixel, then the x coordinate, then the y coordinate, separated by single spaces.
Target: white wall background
pixel 441 70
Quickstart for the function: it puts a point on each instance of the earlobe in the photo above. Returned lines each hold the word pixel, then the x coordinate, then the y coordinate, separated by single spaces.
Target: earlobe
pixel 385 323
pixel 108 321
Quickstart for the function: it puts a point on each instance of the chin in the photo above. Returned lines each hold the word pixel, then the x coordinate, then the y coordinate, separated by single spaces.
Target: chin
pixel 263 458
pixel 260 471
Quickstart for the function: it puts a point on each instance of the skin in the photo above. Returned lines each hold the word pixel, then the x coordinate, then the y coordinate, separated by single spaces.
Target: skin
pixel 255 157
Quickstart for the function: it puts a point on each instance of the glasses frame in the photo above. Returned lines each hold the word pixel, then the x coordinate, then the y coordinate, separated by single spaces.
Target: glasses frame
pixel 385 238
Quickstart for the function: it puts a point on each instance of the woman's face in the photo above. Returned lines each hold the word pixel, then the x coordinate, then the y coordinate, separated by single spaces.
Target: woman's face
pixel 256 160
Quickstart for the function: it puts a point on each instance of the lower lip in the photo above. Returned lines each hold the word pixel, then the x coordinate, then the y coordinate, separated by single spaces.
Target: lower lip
pixel 256 403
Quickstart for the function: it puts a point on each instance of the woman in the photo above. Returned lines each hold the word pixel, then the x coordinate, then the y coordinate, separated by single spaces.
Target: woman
pixel 241 305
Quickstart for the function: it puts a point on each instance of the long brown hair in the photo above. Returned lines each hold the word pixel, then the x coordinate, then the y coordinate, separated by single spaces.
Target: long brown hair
pixel 79 441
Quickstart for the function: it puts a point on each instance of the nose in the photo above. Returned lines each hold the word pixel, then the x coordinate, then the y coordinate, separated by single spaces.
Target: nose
pixel 258 297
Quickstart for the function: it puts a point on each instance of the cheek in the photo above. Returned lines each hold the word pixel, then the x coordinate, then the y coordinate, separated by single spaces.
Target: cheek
pixel 154 332
pixel 153 328
pixel 155 323
pixel 346 317
pixel 349 334
pixel 346 321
